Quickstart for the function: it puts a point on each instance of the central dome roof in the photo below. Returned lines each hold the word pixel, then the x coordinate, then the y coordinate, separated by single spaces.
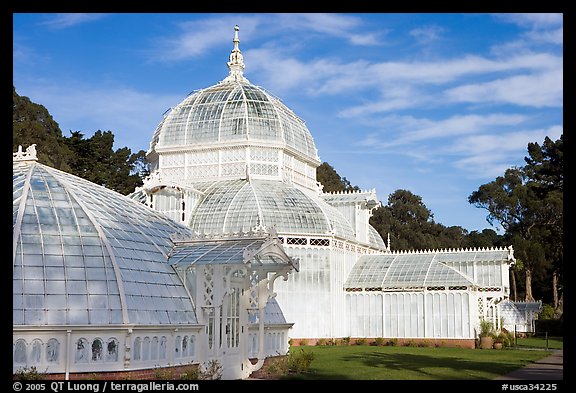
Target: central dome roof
pixel 231 112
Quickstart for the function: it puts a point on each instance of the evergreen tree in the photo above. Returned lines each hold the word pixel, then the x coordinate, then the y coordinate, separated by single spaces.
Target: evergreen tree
pixel 528 203
pixel 33 124
pixel 331 180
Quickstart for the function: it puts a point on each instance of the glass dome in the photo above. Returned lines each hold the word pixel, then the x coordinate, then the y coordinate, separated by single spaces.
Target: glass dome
pixel 239 205
pixel 86 255
pixel 234 111
pixel 233 128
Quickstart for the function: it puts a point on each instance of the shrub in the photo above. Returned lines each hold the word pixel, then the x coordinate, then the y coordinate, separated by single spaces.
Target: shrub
pixel 163 374
pixel 506 338
pixel 379 341
pixel 278 367
pixel 392 342
pixel 299 361
pixel 321 341
pixel 346 341
pixel 424 344
pixel 211 371
pixel 486 328
pixel 191 373
pixel 547 312
pixel 360 341
pixel 28 374
pixel 303 342
pixel 410 343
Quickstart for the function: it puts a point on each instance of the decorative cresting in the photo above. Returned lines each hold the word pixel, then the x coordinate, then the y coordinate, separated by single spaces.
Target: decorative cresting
pixel 231 278
pixel 236 63
pixel 510 250
pixel 28 155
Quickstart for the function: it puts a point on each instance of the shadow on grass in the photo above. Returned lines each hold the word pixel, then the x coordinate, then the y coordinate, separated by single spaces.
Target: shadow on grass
pixel 421 365
pixel 408 366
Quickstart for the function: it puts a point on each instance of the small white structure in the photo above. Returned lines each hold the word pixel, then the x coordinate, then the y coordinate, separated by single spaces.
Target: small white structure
pixel 520 316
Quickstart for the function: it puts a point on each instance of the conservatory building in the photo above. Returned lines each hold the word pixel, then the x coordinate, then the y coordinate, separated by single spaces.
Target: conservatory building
pixel 232 156
pixel 228 250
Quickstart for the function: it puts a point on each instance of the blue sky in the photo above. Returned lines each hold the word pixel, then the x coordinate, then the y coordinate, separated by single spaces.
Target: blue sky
pixel 437 104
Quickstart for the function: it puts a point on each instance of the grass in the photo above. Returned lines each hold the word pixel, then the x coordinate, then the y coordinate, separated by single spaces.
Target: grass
pixel 540 342
pixel 360 362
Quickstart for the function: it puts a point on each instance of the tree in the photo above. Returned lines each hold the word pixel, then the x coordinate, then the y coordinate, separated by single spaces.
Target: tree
pixel 32 123
pixel 331 180
pixel 95 160
pixel 545 168
pixel 486 238
pixel 406 219
pixel 527 202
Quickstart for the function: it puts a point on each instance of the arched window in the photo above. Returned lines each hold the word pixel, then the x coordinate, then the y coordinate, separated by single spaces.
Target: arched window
pixel 163 347
pixel 192 346
pixel 112 350
pixel 177 347
pixel 146 349
pixel 81 351
pixel 20 352
pixel 185 347
pixel 154 348
pixel 52 350
pixel 97 350
pixel 36 354
pixel 137 348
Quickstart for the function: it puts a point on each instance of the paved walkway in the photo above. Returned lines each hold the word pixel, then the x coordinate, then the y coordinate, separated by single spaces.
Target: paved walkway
pixel 548 368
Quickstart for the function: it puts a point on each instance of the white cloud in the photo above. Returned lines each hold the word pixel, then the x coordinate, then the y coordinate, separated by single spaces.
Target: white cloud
pixel 555 36
pixel 427 34
pixel 533 20
pixel 410 85
pixel 62 21
pixel 336 25
pixel 540 90
pixel 540 29
pixel 407 130
pixel 198 36
pixel 489 155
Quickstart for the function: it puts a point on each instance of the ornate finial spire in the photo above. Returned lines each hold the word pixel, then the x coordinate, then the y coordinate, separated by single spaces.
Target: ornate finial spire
pixel 236 63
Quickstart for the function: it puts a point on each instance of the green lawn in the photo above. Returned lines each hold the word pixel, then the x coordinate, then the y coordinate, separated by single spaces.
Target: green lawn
pixel 413 363
pixel 540 342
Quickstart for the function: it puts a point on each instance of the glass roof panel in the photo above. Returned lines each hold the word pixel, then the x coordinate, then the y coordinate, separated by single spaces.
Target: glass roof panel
pixel 62 254
pixel 399 270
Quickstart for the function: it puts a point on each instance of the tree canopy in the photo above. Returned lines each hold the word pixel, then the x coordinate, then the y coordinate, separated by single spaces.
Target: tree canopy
pixel 331 180
pixel 528 202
